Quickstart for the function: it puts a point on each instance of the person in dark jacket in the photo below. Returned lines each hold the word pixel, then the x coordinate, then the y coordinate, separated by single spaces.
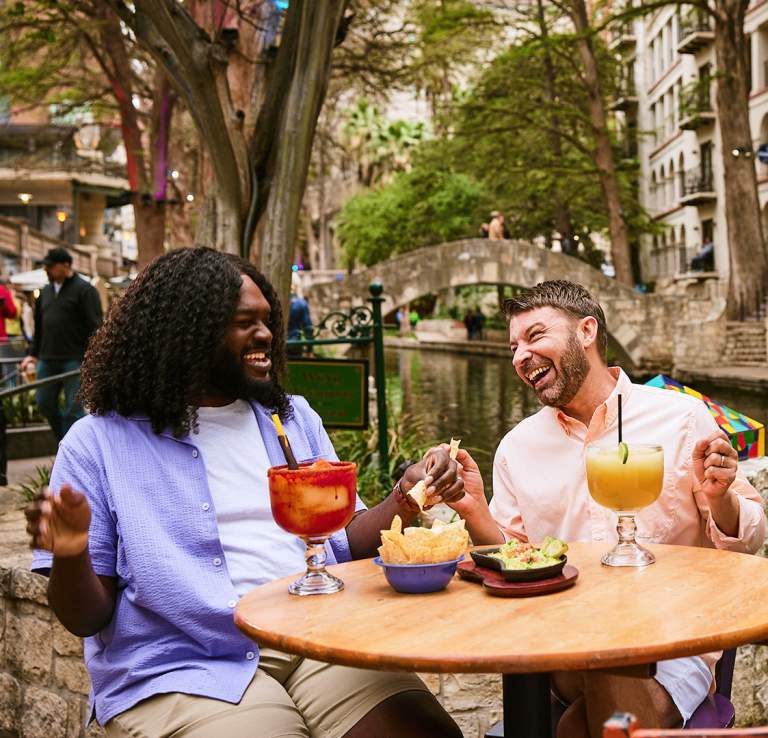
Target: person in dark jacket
pixel 67 312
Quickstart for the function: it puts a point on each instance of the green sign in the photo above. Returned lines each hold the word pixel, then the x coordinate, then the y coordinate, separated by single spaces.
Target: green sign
pixel 337 389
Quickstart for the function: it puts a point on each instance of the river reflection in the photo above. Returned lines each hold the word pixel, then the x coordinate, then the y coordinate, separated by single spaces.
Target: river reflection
pixel 479 398
pixel 475 398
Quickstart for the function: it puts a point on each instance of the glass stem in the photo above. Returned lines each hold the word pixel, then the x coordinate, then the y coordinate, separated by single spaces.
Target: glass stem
pixel 315 555
pixel 626 528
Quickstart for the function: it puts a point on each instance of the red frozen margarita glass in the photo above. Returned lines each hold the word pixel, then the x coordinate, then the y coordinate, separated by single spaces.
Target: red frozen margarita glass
pixel 313 502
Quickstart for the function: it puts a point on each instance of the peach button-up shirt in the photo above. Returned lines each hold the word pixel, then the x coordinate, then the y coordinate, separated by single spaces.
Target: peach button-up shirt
pixel 540 482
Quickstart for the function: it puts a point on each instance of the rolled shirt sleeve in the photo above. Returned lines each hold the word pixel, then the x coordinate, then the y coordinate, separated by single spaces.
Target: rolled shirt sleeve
pixel 752 521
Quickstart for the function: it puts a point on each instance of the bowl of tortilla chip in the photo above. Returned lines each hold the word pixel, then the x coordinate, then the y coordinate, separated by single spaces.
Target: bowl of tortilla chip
pixel 419 578
pixel 418 560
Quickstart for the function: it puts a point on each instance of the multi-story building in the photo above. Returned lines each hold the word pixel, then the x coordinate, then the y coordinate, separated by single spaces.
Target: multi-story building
pixel 56 179
pixel 668 113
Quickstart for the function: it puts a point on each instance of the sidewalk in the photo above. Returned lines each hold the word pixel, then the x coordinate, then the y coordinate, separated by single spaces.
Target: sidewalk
pixel 14 546
pixel 752 378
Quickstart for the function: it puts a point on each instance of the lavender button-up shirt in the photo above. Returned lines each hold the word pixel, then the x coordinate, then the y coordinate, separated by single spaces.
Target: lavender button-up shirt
pixel 154 529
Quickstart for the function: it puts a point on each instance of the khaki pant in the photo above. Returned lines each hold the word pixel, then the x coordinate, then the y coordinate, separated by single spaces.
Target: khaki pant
pixel 290 697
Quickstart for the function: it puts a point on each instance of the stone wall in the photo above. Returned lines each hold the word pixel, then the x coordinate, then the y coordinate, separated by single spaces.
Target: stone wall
pixel 44 684
pixel 43 681
pixel 750 678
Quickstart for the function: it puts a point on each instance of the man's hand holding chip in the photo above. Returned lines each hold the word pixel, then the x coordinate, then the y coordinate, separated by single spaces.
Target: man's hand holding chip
pixel 440 474
pixel 474 489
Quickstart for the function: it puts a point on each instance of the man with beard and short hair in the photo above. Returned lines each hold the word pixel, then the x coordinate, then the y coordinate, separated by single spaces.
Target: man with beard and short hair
pixel 558 338
pixel 160 520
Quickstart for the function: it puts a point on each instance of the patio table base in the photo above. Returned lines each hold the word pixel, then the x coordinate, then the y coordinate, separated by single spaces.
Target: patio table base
pixel 527 708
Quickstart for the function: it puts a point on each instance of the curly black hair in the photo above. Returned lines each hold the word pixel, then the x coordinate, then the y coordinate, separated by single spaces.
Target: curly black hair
pixel 154 352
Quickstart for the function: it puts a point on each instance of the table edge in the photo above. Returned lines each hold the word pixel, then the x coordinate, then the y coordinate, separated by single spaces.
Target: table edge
pixel 509 664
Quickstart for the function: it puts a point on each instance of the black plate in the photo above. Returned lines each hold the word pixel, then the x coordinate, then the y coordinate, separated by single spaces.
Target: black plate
pixel 481 558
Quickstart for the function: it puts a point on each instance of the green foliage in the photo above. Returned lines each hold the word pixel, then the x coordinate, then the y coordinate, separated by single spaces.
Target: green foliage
pixel 379 145
pixel 519 140
pixel 21 409
pixel 450 36
pixel 404 433
pixel 524 133
pixel 35 483
pixel 419 208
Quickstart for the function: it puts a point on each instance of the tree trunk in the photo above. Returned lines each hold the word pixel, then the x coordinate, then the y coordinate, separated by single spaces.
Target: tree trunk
pixel 562 214
pixel 150 227
pixel 294 135
pixel 748 272
pixel 603 151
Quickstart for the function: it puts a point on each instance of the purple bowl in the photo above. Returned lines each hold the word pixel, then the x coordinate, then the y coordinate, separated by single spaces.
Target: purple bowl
pixel 418 578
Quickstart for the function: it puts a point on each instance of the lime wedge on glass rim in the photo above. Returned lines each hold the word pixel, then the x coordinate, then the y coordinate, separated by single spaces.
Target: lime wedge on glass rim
pixel 623 452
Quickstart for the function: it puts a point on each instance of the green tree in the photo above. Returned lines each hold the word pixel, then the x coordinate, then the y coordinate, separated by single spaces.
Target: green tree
pixel 449 38
pixel 379 146
pixel 525 133
pixel 75 56
pixel 418 208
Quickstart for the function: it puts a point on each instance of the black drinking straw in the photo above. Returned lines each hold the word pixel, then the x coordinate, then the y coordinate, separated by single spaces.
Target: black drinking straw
pixel 619 418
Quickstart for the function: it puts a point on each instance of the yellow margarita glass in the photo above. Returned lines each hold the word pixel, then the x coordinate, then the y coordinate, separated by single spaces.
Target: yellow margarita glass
pixel 626 478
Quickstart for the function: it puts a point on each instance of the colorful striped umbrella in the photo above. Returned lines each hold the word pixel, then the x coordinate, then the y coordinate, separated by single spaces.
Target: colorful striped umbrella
pixel 747 435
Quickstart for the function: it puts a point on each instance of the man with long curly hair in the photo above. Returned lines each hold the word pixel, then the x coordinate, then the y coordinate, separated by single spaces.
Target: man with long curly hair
pixel 161 520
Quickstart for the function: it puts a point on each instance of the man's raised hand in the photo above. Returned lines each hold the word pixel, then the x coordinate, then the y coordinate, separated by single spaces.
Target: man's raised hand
pixel 715 463
pixel 59 523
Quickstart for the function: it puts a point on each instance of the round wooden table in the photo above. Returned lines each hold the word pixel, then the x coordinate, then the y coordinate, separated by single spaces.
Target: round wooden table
pixel 692 600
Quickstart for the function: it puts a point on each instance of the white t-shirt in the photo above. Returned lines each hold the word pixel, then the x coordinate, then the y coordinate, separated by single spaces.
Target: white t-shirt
pixel 256 549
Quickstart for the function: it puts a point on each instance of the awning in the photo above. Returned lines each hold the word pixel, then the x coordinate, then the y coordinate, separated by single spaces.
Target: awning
pixel 35 279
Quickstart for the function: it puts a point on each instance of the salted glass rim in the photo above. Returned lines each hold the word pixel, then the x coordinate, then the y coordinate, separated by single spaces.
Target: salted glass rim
pixel 304 467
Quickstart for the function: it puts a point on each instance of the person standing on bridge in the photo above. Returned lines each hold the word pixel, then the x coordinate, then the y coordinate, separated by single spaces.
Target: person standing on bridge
pixel 496 230
pixel 67 313
pixel 558 338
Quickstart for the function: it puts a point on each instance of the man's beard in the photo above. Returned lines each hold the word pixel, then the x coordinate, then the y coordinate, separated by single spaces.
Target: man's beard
pixel 229 378
pixel 571 374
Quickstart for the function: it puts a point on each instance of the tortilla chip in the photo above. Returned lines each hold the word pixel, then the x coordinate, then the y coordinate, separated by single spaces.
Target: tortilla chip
pixel 418 493
pixel 454 447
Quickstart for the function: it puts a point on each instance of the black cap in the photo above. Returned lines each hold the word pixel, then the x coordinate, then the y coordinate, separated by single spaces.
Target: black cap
pixel 57 256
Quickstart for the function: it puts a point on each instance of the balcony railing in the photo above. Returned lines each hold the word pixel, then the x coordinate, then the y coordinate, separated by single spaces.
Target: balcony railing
pixel 57 161
pixel 695 33
pixel 696 104
pixel 626 94
pixel 697 187
pixel 695 261
pixel 622 37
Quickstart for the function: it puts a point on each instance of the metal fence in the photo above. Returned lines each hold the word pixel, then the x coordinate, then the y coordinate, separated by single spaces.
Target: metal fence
pixel 21 417
pixel 694 23
pixel 697 180
pixel 54 160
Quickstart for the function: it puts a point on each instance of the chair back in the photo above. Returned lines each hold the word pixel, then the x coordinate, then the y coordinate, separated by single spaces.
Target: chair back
pixel 724 672
pixel 624 725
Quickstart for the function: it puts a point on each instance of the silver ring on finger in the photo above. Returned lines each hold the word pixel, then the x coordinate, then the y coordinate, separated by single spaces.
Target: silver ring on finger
pixel 722 459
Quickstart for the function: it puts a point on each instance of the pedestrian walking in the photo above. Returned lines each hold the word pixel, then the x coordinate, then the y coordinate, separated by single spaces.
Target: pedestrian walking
pixel 299 323
pixel 67 312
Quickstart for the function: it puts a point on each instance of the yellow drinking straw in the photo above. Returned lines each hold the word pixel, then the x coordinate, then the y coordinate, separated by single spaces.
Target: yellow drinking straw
pixel 289 457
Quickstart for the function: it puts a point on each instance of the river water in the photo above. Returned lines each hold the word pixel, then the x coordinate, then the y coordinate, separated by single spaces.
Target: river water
pixel 479 398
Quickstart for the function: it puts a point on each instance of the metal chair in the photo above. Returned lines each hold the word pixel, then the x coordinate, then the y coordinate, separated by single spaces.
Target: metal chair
pixel 716 711
pixel 624 725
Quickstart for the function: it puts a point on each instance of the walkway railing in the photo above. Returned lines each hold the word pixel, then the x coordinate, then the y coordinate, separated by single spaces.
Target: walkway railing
pixel 20 390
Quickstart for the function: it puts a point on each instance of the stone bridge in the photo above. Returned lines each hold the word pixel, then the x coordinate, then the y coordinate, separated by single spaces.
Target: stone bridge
pixel 649 332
